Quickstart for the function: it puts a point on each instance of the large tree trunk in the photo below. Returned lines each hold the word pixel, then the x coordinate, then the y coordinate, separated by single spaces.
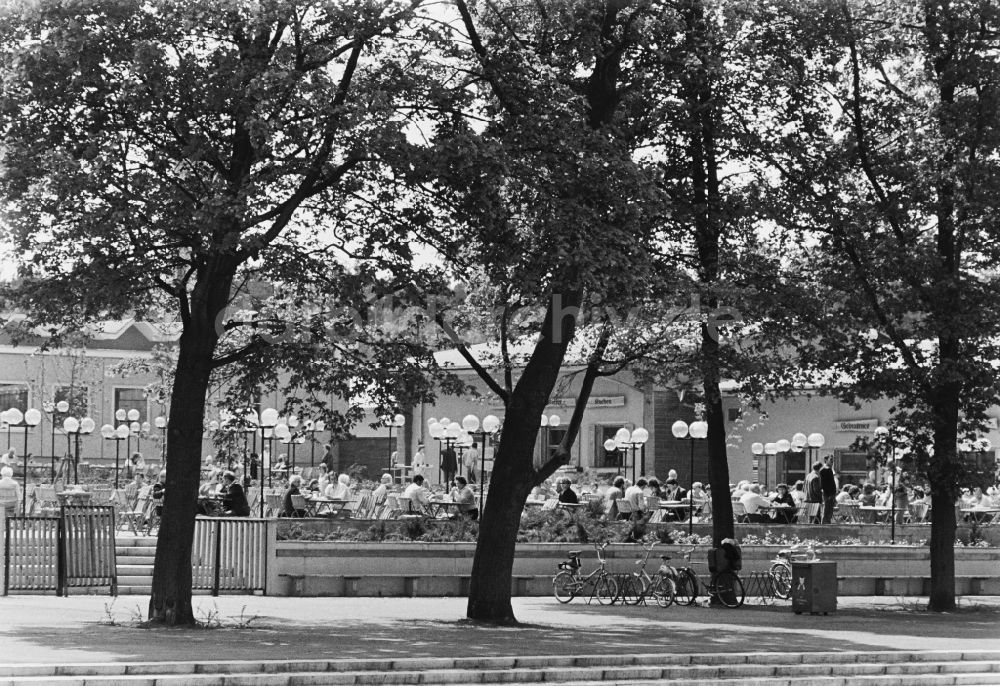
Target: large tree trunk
pixel 513 474
pixel 942 474
pixel 706 204
pixel 170 600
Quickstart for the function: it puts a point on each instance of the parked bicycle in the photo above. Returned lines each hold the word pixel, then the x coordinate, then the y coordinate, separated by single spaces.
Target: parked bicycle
pixel 640 585
pixel 725 586
pixel 568 584
pixel 781 569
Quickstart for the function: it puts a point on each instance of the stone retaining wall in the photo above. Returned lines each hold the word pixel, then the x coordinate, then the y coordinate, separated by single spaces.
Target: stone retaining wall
pixel 319 568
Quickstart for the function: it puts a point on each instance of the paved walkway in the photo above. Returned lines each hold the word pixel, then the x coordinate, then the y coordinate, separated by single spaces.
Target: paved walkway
pixel 47 629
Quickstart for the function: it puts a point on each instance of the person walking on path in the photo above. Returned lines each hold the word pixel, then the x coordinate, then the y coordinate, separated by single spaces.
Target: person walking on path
pixel 828 482
pixel 814 493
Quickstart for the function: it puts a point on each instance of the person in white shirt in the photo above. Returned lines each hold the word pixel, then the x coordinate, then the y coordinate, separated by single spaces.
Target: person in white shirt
pixel 339 490
pixel 417 494
pixel 615 491
pixel 634 494
pixel 462 494
pixel 419 462
pixel 752 501
pixel 10 491
pixel 470 459
pixel 378 495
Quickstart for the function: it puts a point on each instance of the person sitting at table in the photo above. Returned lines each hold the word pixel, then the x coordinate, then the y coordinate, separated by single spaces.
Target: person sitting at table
pixel 281 468
pixel 234 498
pixel 417 494
pixel 10 491
pixel 463 495
pixel 698 493
pixel 868 495
pixel 615 491
pixel 783 497
pixel 287 508
pixel 566 492
pixel 633 494
pixel 382 490
pixel 132 489
pixel 654 488
pixel 339 489
pixel 158 491
pixel 845 494
pixel 798 492
pixel 752 502
pixel 674 492
pixel 324 478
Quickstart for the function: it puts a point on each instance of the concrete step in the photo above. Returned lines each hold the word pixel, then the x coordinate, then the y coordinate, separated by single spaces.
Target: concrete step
pixel 136 559
pixel 127 570
pixel 932 668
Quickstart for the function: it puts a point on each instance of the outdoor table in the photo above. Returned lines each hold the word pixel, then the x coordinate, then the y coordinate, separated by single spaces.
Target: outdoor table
pixel 572 506
pixel 779 512
pixel 319 505
pixel 981 514
pixel 676 506
pixel 533 503
pixel 442 508
pixel 74 497
pixel 880 512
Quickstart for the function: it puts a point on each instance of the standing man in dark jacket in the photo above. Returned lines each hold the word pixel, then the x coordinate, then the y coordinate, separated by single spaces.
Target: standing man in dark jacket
pixel 828 482
pixel 814 493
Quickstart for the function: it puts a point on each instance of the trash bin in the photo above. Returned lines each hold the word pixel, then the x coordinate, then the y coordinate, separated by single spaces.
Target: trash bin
pixel 814 586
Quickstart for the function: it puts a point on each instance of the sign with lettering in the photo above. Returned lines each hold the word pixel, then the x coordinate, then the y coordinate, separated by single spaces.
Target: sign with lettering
pixel 856 425
pixel 592 401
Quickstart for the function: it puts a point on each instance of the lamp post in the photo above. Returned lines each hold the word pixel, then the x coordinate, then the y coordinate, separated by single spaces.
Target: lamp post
pixel 283 434
pixel 267 422
pixel 781 446
pixel 694 431
pixel 638 440
pixel 72 425
pixel 111 434
pixel 31 417
pixel 546 422
pixel 161 424
pixel 757 449
pixel 397 420
pixel 490 425
pixel 313 428
pixel 883 435
pixel 814 441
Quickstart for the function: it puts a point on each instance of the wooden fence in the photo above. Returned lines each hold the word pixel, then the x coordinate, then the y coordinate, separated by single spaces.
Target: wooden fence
pixel 229 555
pixel 73 550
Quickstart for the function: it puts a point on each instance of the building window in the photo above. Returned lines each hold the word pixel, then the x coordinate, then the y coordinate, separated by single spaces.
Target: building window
pixel 13 395
pixel 606 458
pixel 131 399
pixel 555 437
pixel 78 398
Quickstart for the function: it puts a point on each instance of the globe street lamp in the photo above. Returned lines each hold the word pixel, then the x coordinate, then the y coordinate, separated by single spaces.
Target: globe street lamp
pixel 636 441
pixel 283 434
pixel 117 435
pixel 490 425
pixel 695 431
pixel 546 422
pixel 31 417
pixel 267 422
pixel 72 425
pixel 758 452
pixel 398 421
pixel 161 424
pixel 883 435
pixel 314 427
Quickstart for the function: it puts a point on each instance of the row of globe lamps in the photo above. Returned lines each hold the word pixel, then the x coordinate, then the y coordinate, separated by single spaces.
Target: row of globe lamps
pixel 799 442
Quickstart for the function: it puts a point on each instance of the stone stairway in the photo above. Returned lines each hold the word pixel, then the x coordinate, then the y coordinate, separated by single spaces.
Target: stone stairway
pixel 884 668
pixel 135 557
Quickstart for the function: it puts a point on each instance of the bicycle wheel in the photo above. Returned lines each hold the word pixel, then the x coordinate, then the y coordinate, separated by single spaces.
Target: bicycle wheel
pixel 606 590
pixel 781 579
pixel 564 587
pixel 728 588
pixel 631 589
pixel 685 587
pixel 664 591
